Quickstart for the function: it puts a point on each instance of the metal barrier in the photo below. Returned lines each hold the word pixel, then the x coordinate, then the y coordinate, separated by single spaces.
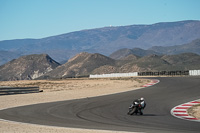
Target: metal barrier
pixel 18 90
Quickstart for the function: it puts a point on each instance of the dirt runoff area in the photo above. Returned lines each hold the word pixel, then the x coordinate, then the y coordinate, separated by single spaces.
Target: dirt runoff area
pixel 194 111
pixel 59 90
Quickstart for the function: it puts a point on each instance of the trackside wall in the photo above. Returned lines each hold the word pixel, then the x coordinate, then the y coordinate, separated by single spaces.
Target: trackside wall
pixel 162 73
pixel 115 75
pixel 194 72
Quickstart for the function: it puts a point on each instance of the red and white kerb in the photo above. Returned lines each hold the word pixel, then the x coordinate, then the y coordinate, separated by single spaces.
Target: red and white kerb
pixel 153 82
pixel 180 111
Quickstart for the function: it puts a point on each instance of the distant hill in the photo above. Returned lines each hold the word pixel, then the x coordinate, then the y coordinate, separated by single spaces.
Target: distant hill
pixel 84 64
pixel 27 67
pixel 192 47
pixel 184 61
pixel 43 67
pixel 106 40
pixel 80 65
pixel 122 53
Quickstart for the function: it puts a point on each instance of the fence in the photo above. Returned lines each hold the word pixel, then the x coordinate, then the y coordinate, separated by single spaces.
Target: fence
pixel 163 73
pixel 160 73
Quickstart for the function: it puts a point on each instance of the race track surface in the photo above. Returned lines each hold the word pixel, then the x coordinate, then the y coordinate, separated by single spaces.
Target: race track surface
pixel 110 112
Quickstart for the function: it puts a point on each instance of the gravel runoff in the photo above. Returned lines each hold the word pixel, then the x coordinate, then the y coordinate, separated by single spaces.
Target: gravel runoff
pixel 194 111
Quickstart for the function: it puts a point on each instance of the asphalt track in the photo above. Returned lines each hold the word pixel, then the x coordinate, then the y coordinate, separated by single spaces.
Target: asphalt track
pixel 110 112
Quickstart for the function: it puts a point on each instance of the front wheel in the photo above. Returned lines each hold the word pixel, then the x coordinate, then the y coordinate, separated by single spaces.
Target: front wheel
pixel 131 111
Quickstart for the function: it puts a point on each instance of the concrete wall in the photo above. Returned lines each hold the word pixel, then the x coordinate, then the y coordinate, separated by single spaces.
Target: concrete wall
pixel 115 75
pixel 166 73
pixel 194 72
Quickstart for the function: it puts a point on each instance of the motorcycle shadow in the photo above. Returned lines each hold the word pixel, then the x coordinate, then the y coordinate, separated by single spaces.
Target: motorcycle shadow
pixel 150 115
pixel 145 115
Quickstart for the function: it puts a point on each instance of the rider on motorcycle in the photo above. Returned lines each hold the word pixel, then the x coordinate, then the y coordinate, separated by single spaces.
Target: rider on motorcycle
pixel 143 103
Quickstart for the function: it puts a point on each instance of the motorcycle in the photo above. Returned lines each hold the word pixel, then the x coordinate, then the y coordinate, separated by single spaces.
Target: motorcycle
pixel 136 108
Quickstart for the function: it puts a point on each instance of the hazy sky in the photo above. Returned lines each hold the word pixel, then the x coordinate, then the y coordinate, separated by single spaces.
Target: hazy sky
pixel 21 19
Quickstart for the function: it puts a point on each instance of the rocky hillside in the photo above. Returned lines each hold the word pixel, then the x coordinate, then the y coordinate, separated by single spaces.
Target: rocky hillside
pixel 192 47
pixel 132 63
pixel 185 61
pixel 84 64
pixel 80 65
pixel 106 40
pixel 123 53
pixel 27 67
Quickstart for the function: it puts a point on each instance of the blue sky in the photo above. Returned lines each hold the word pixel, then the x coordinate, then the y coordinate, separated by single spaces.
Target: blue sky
pixel 21 19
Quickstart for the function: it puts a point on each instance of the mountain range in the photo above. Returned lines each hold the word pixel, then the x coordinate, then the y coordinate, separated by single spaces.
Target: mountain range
pixel 157 47
pixel 193 47
pixel 44 67
pixel 105 40
pixel 84 64
pixel 123 53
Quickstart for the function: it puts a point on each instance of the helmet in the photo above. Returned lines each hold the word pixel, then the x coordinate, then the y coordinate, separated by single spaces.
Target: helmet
pixel 142 99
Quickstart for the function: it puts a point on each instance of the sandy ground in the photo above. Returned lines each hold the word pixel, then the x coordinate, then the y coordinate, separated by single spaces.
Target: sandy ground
pixel 194 111
pixel 59 90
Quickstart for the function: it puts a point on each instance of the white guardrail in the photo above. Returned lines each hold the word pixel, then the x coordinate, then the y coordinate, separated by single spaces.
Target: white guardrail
pixel 194 72
pixel 191 73
pixel 115 75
